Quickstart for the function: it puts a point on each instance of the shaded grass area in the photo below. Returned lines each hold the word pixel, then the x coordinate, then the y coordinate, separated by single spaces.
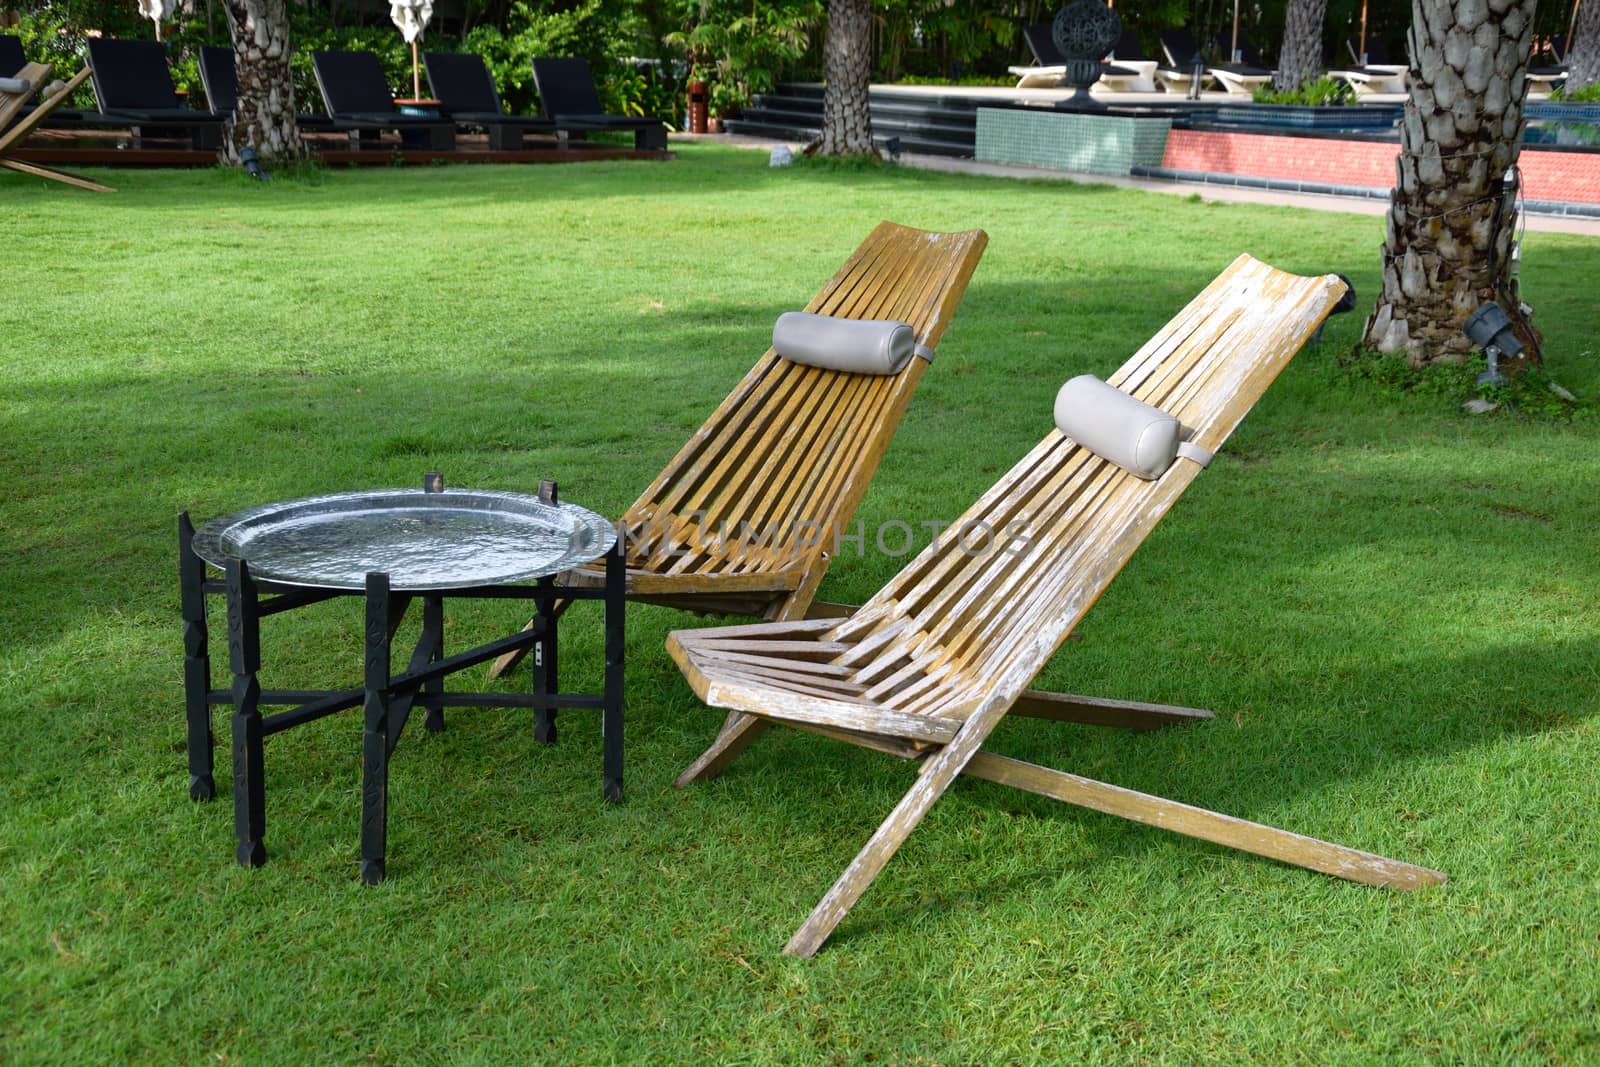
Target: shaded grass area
pixel 1392 609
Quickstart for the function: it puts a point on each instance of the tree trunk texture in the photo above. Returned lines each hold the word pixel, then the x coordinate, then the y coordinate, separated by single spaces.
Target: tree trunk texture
pixel 847 66
pixel 1583 51
pixel 1300 59
pixel 264 115
pixel 1452 215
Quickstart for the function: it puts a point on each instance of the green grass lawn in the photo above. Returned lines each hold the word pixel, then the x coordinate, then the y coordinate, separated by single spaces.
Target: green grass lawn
pixel 1393 609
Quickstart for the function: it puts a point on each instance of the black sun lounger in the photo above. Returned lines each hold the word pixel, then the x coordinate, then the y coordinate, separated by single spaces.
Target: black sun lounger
pixel 133 86
pixel 12 57
pixel 567 95
pixel 358 99
pixel 220 78
pixel 466 94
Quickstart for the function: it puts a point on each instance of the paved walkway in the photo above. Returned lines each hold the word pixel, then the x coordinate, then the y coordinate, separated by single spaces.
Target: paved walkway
pixel 1220 193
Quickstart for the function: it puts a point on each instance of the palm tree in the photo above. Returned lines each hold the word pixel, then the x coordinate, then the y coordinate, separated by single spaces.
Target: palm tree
pixel 847 67
pixel 1583 50
pixel 1300 58
pixel 264 115
pixel 1452 215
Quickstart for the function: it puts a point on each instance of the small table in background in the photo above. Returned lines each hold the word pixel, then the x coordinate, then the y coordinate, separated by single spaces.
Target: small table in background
pixel 420 108
pixel 390 547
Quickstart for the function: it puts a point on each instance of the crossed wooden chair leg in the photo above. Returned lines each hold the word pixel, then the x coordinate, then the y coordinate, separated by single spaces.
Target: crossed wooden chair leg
pixel 963 755
pixel 12 138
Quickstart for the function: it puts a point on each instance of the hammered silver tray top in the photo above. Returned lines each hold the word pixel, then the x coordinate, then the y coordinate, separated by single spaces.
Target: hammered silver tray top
pixel 453 539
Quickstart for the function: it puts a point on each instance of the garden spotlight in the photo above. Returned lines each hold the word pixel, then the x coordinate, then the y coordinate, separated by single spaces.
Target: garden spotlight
pixel 252 163
pixel 1490 329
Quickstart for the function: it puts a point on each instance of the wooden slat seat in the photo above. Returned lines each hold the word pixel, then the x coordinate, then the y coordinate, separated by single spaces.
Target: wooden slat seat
pixel 929 666
pixel 744 519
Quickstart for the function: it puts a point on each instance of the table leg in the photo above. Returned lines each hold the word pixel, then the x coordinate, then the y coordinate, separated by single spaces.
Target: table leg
pixel 375 740
pixel 196 664
pixel 244 655
pixel 546 681
pixel 433 617
pixel 616 605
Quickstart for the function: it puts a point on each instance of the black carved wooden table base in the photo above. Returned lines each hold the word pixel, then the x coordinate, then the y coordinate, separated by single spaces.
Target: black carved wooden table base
pixel 386 698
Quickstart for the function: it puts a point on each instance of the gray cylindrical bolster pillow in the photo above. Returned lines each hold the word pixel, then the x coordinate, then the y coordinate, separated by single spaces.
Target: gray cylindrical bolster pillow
pixel 1141 439
pixel 862 346
pixel 15 85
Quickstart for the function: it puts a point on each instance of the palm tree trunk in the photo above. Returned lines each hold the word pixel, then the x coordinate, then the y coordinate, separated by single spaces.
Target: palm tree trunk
pixel 1300 59
pixel 1583 51
pixel 264 115
pixel 847 65
pixel 1452 215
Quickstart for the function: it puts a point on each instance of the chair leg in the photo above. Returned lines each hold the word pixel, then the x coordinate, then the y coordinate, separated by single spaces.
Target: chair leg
pixel 938 772
pixel 1100 711
pixel 55 175
pixel 1308 852
pixel 737 734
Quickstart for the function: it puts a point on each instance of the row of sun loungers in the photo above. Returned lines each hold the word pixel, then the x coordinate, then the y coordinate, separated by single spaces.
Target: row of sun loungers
pixel 134 90
pixel 1128 70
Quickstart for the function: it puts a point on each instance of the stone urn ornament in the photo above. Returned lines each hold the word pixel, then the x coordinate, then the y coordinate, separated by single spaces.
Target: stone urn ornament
pixel 1084 33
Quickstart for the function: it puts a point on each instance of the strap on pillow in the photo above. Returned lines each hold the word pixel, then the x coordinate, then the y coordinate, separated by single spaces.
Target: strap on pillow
pixel 1141 439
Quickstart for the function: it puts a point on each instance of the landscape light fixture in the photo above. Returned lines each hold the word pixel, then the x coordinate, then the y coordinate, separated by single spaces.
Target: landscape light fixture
pixel 1490 329
pixel 1347 302
pixel 251 161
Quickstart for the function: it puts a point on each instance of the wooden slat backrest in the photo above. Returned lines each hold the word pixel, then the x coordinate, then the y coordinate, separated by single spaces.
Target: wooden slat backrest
pixel 11 103
pixel 957 628
pixel 786 458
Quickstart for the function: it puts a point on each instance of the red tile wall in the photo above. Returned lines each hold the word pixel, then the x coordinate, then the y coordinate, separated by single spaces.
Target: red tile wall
pixel 1565 176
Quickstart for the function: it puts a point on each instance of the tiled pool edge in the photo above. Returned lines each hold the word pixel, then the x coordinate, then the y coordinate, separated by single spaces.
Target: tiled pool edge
pixel 1071 141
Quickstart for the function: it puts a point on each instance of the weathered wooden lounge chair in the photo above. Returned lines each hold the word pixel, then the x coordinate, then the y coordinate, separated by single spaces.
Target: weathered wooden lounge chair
pixel 928 667
pixel 16 123
pixel 743 520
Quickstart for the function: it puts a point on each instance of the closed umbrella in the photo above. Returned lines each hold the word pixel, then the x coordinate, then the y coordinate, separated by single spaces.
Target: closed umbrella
pixel 157 11
pixel 411 16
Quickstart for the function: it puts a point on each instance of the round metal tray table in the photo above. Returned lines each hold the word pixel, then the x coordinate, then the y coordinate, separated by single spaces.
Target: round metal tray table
pixel 391 547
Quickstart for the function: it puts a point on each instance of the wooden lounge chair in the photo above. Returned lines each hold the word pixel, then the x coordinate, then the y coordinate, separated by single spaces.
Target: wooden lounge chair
pixel 743 521
pixel 928 667
pixel 466 93
pixel 133 87
pixel 16 123
pixel 359 101
pixel 568 97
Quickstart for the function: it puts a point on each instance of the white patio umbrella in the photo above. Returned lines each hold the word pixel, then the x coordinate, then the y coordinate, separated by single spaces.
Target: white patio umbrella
pixel 411 16
pixel 157 11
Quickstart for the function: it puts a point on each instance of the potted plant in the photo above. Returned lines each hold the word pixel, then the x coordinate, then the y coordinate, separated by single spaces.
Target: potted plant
pixel 726 102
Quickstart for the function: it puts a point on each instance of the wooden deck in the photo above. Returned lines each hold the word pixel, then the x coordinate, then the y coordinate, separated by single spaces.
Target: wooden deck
pixel 112 148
